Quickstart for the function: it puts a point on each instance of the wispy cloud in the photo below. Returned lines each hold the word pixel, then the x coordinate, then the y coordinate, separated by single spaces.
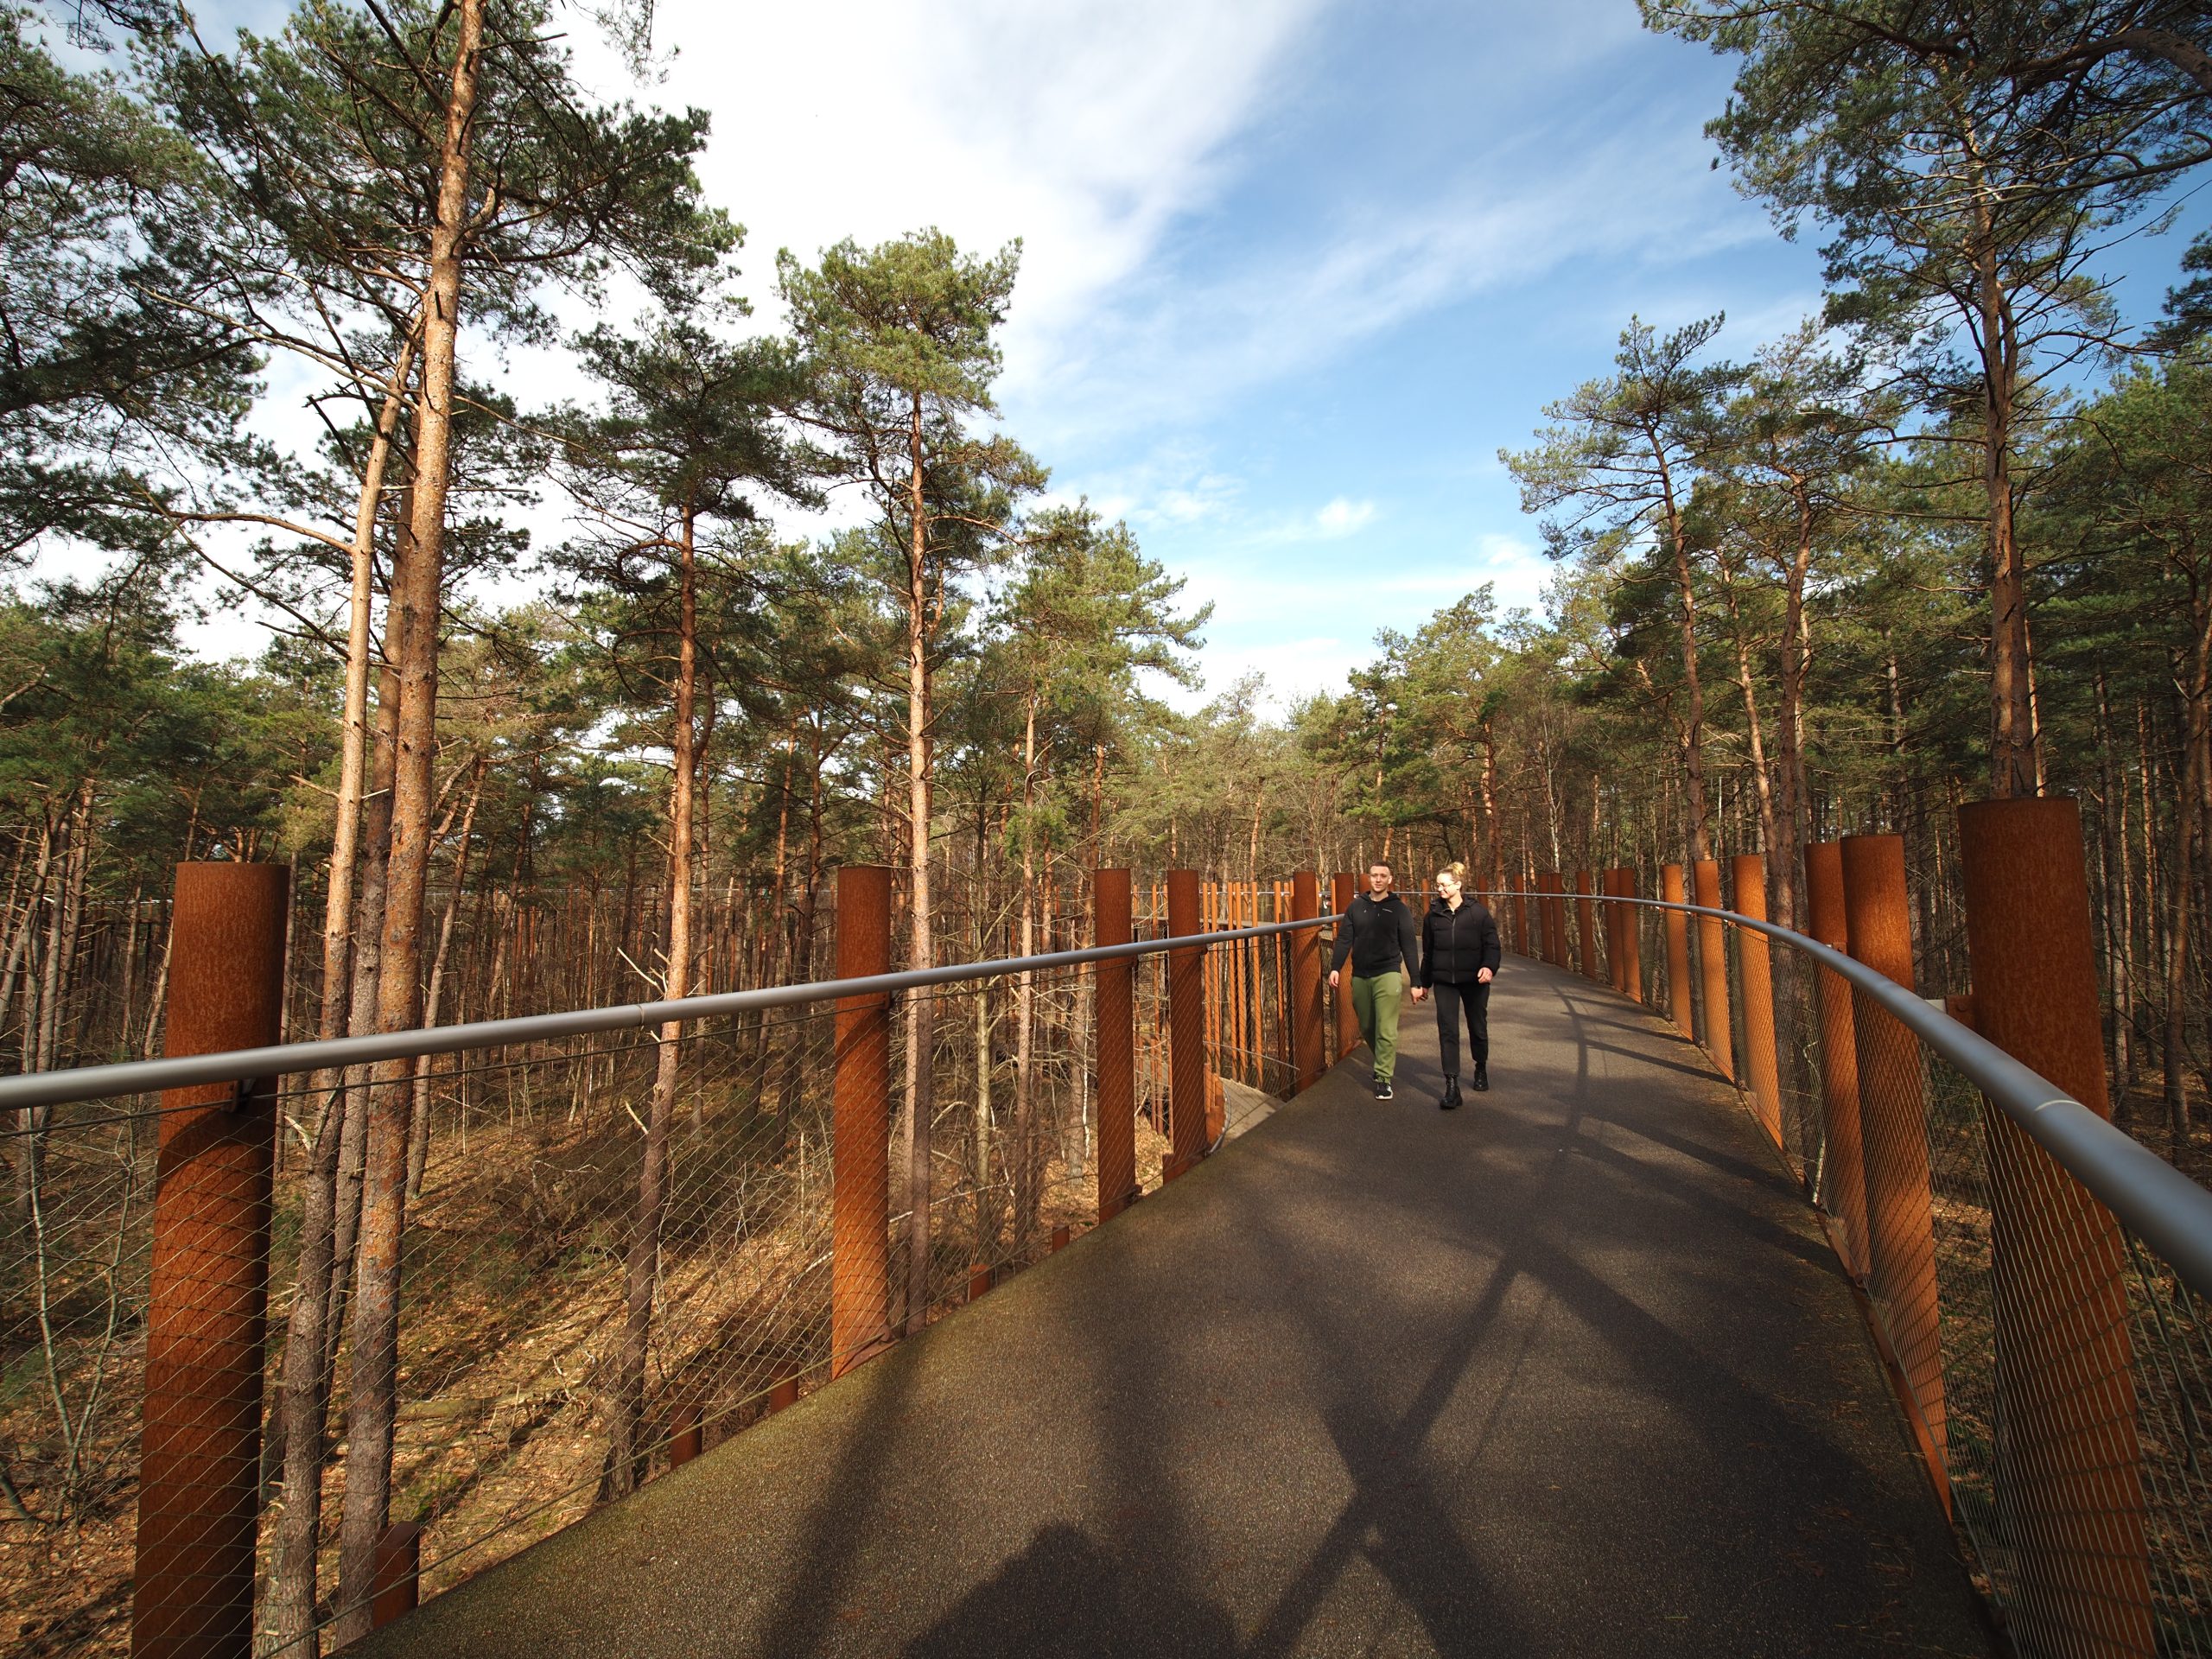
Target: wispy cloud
pixel 1174 346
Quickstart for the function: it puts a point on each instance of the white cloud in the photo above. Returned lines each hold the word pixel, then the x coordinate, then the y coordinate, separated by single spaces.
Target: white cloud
pixel 1515 567
pixel 1342 517
pixel 1083 128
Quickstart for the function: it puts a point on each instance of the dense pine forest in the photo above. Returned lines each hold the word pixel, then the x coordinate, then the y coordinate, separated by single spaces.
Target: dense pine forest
pixel 1944 540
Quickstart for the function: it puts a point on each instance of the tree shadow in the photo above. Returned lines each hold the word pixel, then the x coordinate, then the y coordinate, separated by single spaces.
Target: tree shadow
pixel 1067 1594
pixel 836 1527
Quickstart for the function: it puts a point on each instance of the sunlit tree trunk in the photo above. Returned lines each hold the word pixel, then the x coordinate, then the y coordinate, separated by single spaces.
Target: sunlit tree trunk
pixel 418 1142
pixel 1024 998
pixel 641 1275
pixel 920 1004
pixel 415 597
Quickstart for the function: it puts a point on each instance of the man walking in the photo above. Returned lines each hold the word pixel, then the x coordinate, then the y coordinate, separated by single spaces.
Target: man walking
pixel 1378 934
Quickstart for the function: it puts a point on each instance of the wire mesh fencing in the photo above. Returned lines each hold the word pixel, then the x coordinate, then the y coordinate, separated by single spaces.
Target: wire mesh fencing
pixel 580 1261
pixel 2056 1372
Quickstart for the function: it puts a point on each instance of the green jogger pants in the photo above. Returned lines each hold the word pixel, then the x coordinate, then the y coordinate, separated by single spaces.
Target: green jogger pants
pixel 1376 1002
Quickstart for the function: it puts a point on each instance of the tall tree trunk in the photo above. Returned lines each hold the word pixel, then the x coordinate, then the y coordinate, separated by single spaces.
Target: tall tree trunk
pixel 1693 683
pixel 2013 763
pixel 16 969
pixel 1024 998
pixel 418 1140
pixel 627 1451
pixel 987 1204
pixel 1097 804
pixel 1755 736
pixel 1494 866
pixel 2120 926
pixel 2188 824
pixel 350 1100
pixel 920 1004
pixel 415 594
pixel 60 932
pixel 353 749
pixel 1785 862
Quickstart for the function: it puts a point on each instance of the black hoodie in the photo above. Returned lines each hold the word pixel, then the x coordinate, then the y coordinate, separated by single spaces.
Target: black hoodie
pixel 1377 934
pixel 1457 944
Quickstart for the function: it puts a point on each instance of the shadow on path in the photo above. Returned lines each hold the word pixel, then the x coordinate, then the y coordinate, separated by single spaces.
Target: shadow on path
pixel 1569 1372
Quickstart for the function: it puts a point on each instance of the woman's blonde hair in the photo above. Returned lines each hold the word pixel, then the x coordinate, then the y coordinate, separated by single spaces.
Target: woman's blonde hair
pixel 1456 871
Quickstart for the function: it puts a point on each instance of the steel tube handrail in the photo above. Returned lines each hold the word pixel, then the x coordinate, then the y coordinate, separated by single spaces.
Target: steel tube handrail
pixel 2160 1204
pixel 36 1088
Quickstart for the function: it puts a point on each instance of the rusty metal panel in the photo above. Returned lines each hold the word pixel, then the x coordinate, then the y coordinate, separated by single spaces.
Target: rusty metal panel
pixel 200 1449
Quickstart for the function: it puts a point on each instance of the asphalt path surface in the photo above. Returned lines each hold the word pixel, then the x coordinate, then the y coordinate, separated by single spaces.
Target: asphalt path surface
pixel 1569 1371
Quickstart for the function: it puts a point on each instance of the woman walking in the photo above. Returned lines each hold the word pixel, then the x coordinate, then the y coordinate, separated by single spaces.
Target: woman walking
pixel 1460 955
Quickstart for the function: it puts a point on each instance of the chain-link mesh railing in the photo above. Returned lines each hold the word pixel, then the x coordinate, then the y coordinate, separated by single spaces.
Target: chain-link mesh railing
pixel 612 1251
pixel 618 1248
pixel 2054 1366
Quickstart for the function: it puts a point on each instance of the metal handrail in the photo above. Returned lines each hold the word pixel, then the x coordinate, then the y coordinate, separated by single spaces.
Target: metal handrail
pixel 2160 1204
pixel 36 1088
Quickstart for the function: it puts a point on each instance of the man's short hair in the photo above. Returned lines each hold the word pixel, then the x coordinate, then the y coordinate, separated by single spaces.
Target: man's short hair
pixel 1380 864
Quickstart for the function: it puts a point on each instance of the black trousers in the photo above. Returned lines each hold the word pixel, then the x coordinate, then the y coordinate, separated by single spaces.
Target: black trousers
pixel 1450 999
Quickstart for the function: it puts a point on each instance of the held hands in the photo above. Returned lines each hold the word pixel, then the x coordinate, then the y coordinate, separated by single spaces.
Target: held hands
pixel 1420 993
pixel 1485 975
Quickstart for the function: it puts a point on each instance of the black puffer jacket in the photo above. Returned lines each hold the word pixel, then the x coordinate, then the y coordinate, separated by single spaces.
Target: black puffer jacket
pixel 1456 945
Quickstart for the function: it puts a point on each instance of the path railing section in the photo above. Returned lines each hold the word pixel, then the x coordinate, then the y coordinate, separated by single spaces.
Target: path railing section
pixel 623 1234
pixel 2039 1284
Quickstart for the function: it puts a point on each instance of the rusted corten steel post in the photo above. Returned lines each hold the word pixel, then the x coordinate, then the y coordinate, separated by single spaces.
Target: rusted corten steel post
pixel 1585 923
pixel 1550 917
pixel 1520 940
pixel 396 1585
pixel 1846 1164
pixel 1678 952
pixel 2069 1458
pixel 1186 1023
pixel 1114 1002
pixel 1343 887
pixel 200 1452
pixel 687 1437
pixel 1755 966
pixel 1712 971
pixel 1616 918
pixel 1309 1045
pixel 859 1214
pixel 1900 1224
pixel 1632 926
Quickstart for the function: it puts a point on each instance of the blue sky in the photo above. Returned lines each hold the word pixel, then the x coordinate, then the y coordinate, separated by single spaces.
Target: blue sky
pixel 1293 271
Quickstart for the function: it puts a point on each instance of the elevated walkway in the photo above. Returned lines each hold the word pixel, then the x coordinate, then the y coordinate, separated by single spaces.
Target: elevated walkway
pixel 1570 1371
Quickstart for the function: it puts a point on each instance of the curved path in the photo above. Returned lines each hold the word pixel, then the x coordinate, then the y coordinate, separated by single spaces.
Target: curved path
pixel 1571 1371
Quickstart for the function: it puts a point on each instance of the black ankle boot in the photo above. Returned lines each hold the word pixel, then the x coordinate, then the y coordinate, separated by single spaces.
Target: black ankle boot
pixel 1481 1076
pixel 1451 1095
